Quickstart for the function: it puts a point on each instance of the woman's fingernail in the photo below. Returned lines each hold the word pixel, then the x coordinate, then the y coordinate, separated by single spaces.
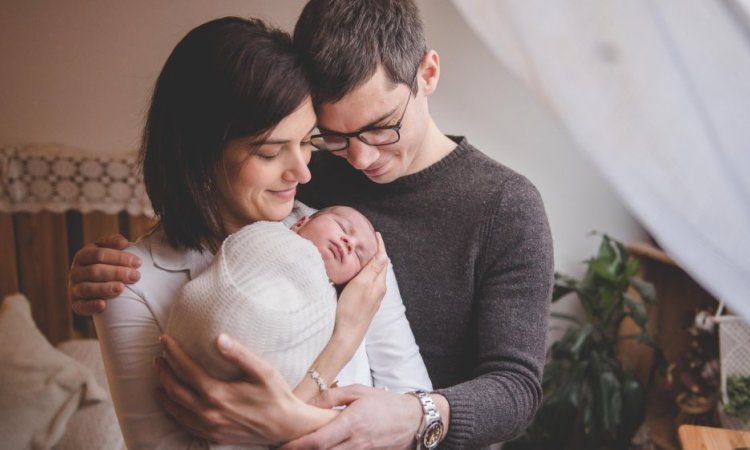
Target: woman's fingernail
pixel 225 343
pixel 133 275
pixel 135 262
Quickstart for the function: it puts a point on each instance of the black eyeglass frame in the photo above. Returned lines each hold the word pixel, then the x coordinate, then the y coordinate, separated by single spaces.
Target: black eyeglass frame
pixel 357 134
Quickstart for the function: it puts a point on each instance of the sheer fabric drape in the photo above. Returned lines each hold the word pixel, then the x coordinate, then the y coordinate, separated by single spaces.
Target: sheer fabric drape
pixel 657 93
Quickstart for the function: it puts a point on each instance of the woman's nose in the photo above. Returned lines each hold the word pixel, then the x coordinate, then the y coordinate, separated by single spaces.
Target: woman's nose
pixel 298 170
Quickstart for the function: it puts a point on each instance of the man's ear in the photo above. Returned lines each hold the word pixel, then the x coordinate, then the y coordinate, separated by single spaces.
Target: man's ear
pixel 430 71
pixel 300 223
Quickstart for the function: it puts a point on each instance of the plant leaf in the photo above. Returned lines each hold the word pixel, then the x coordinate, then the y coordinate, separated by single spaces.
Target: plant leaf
pixel 636 310
pixel 646 290
pixel 568 317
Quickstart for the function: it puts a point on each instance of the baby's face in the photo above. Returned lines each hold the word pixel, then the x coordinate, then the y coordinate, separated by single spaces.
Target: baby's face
pixel 344 238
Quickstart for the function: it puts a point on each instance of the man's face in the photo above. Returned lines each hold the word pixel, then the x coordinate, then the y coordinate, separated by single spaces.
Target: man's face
pixel 378 102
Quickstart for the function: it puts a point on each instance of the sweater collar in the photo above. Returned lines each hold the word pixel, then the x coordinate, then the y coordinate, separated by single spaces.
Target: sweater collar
pixel 428 173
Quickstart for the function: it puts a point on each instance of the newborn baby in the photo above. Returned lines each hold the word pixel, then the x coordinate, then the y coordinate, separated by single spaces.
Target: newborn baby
pixel 274 290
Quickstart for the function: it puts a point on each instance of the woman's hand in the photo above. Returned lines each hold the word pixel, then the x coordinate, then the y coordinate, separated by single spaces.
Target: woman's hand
pixel 257 409
pixel 99 272
pixel 360 300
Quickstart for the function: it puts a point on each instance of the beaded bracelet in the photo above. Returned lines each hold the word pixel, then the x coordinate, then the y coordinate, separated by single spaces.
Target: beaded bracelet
pixel 319 380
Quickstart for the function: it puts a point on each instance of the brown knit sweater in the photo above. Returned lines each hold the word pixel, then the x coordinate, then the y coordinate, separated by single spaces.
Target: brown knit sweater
pixel 472 252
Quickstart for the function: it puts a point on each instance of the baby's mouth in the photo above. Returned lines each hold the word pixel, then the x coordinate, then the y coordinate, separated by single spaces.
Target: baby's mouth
pixel 339 251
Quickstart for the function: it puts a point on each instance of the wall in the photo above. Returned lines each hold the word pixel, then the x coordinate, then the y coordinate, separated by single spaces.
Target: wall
pixel 79 73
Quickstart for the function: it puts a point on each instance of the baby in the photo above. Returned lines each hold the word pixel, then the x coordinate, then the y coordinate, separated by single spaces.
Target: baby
pixel 343 236
pixel 274 290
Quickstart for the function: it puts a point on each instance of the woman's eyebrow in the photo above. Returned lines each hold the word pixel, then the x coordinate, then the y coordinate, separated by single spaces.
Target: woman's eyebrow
pixel 281 141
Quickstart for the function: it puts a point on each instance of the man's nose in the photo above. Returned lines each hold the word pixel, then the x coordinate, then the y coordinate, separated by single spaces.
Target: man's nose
pixel 360 155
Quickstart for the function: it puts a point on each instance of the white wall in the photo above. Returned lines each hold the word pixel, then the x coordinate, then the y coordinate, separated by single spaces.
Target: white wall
pixel 79 73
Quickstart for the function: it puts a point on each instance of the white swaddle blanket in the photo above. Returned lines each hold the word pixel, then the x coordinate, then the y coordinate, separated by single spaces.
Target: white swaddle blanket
pixel 266 287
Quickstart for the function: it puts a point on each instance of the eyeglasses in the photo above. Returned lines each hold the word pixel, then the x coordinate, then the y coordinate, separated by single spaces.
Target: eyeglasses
pixel 334 142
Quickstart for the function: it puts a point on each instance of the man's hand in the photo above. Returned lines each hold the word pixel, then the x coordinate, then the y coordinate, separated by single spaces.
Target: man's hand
pixel 374 418
pixel 257 409
pixel 100 272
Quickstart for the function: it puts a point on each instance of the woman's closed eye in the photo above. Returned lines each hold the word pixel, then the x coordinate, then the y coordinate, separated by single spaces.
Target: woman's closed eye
pixel 266 151
pixel 268 156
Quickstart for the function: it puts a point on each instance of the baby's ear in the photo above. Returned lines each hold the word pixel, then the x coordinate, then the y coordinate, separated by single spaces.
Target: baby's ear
pixel 300 223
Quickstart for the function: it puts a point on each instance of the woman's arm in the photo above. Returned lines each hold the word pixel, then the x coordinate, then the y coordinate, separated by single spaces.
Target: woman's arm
pixel 128 334
pixel 359 302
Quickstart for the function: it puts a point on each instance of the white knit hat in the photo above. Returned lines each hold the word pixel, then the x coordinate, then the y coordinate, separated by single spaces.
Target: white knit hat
pixel 267 287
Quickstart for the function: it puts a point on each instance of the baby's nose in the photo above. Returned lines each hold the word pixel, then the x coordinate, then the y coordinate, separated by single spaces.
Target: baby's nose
pixel 347 243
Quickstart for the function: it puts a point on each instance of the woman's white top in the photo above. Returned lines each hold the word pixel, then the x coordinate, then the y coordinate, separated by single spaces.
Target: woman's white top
pixel 129 328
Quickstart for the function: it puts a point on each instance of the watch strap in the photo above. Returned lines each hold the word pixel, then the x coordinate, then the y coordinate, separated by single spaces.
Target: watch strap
pixel 431 427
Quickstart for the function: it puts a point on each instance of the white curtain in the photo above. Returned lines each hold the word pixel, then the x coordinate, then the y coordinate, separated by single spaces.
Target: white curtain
pixel 657 93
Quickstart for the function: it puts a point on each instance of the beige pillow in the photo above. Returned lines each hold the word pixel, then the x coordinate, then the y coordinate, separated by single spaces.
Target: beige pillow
pixel 40 387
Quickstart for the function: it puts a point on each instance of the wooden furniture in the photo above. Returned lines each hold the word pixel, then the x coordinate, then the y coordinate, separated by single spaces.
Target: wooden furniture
pixel 694 437
pixel 37 250
pixel 678 298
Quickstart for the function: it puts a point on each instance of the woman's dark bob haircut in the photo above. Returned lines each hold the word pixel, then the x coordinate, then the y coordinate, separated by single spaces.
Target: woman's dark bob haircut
pixel 228 78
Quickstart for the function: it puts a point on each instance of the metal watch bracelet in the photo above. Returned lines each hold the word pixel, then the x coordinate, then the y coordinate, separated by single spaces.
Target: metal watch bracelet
pixel 431 429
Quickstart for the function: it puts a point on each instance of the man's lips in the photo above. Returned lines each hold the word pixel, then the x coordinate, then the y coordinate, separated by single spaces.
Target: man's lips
pixel 374 171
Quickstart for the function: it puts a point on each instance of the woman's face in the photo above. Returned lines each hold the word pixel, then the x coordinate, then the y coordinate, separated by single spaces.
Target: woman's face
pixel 257 178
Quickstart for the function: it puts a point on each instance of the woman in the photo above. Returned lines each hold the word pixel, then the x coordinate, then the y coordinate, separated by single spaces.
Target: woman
pixel 226 142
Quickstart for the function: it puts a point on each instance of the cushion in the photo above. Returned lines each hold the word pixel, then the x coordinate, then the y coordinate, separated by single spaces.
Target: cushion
pixel 94 427
pixel 40 387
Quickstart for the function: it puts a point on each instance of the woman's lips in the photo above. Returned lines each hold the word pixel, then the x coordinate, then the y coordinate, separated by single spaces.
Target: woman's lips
pixel 285 194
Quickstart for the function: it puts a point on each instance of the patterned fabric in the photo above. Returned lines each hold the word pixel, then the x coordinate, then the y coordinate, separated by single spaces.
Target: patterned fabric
pixel 34 179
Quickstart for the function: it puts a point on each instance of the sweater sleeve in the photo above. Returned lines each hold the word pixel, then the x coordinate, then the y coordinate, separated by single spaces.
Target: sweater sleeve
pixel 512 297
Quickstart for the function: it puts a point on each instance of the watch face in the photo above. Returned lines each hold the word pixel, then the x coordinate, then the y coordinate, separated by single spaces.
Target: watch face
pixel 432 434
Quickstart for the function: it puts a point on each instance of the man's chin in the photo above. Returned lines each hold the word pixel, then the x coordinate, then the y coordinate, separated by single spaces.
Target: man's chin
pixel 382 175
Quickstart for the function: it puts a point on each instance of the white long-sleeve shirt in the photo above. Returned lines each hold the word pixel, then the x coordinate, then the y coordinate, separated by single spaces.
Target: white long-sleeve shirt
pixel 130 326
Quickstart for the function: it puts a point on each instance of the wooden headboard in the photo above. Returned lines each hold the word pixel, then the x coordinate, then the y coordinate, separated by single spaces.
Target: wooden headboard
pixel 42 225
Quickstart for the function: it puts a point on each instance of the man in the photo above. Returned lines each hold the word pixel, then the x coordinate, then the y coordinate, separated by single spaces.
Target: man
pixel 468 239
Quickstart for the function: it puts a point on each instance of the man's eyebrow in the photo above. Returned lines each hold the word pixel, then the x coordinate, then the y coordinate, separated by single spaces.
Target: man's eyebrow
pixel 372 123
pixel 280 141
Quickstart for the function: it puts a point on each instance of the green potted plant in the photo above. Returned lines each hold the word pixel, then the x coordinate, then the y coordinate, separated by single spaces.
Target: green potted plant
pixel 590 401
pixel 736 413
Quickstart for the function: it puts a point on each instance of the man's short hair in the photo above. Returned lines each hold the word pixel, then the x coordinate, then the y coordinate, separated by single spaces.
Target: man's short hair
pixel 344 42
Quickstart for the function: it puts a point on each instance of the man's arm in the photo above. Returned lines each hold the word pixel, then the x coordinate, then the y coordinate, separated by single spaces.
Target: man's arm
pixel 512 308
pixel 374 418
pixel 100 272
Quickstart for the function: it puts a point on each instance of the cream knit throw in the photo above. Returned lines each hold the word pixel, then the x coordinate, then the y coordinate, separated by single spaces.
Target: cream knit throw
pixel 266 287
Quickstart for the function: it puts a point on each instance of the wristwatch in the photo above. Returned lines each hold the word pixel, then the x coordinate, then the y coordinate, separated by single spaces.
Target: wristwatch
pixel 431 430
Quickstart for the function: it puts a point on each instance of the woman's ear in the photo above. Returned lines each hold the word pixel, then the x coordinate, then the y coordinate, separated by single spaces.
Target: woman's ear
pixel 430 71
pixel 300 223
